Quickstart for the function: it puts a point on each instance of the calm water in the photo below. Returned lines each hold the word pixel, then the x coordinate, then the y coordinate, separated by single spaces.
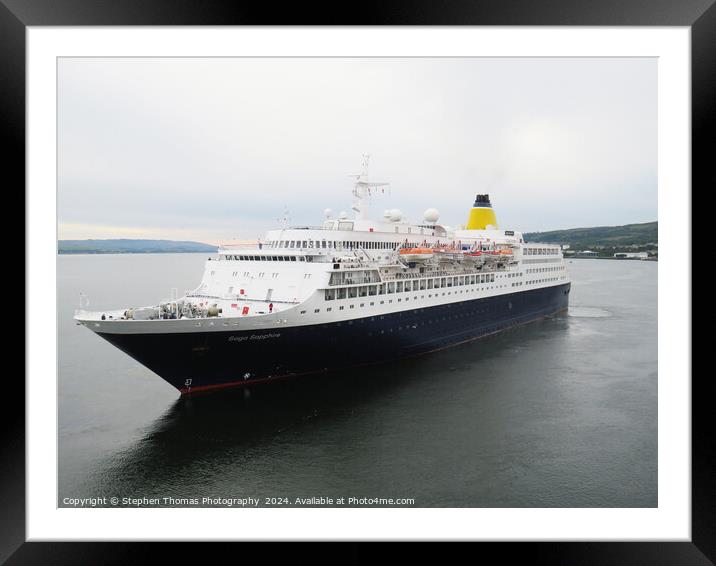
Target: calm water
pixel 558 413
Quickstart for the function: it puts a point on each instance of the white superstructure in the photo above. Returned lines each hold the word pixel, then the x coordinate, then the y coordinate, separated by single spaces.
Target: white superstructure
pixel 347 268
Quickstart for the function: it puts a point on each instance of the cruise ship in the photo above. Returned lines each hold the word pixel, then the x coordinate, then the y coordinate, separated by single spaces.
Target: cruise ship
pixel 353 291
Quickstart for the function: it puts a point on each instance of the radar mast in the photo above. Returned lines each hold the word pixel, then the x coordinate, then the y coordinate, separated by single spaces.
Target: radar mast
pixel 362 190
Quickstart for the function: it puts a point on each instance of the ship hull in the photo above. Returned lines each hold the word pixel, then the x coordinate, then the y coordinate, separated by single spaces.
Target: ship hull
pixel 195 362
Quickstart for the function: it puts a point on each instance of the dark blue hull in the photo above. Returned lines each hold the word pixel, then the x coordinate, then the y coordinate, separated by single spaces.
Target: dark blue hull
pixel 206 360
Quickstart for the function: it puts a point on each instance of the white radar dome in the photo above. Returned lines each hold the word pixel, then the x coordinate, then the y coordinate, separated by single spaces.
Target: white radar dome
pixel 396 215
pixel 431 215
pixel 327 213
pixel 386 214
pixel 343 215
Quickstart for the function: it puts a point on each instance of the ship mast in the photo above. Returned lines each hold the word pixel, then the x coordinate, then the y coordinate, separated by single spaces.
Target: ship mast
pixel 361 190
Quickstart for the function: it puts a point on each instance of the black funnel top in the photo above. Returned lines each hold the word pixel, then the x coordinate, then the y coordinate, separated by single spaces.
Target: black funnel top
pixel 482 200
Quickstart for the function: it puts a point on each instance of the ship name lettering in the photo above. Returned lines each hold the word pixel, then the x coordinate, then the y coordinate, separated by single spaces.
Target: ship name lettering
pixel 254 337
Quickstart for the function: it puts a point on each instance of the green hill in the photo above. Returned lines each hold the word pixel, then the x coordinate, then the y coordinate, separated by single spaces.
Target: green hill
pixel 608 236
pixel 124 246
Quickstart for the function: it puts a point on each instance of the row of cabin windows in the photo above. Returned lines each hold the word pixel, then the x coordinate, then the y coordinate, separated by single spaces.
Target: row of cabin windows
pixel 390 301
pixel 331 245
pixel 544 269
pixel 547 280
pixel 540 251
pixel 547 260
pixel 265 258
pixel 407 286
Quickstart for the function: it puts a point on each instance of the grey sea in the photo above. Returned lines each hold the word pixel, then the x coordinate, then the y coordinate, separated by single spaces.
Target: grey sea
pixel 558 413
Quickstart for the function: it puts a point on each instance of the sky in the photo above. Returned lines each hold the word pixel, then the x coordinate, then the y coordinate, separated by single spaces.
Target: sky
pixel 218 149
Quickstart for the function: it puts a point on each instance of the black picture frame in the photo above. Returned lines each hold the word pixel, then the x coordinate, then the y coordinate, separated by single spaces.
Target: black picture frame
pixel 17 15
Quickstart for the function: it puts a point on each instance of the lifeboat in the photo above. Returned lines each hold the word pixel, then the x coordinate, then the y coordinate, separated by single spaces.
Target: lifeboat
pixel 473 255
pixel 449 253
pixel 416 254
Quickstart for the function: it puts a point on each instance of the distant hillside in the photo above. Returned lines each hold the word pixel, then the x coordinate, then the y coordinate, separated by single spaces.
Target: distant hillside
pixel 131 247
pixel 611 236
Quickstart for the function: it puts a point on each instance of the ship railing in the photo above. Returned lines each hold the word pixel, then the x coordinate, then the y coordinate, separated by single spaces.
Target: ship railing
pixel 242 299
pixel 410 276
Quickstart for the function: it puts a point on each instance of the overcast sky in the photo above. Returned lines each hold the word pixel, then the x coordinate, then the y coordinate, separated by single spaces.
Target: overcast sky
pixel 215 149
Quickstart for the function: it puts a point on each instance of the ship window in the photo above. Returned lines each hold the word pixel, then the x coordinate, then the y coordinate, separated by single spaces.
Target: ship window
pixel 422 284
pixel 381 289
pixel 329 309
pixel 372 290
pixel 303 312
pixel 342 293
pixel 341 308
pixel 399 287
pixel 317 310
pixel 352 292
pixel 330 294
pixel 363 291
pixel 352 306
pixel 431 282
pixel 391 287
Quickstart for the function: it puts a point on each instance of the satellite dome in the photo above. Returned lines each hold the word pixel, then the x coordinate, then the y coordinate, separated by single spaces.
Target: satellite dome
pixel 327 213
pixel 431 215
pixel 396 215
pixel 386 213
pixel 343 215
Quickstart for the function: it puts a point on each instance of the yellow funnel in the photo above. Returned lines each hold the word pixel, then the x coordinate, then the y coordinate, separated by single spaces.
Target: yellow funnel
pixel 481 214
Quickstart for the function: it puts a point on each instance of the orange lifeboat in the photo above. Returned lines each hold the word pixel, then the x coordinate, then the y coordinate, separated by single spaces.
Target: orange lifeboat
pixel 416 254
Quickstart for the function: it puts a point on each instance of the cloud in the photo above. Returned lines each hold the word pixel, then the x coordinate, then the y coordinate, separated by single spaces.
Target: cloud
pixel 220 146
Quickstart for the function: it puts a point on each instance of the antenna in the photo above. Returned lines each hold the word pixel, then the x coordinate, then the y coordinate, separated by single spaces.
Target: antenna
pixel 285 218
pixel 362 189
